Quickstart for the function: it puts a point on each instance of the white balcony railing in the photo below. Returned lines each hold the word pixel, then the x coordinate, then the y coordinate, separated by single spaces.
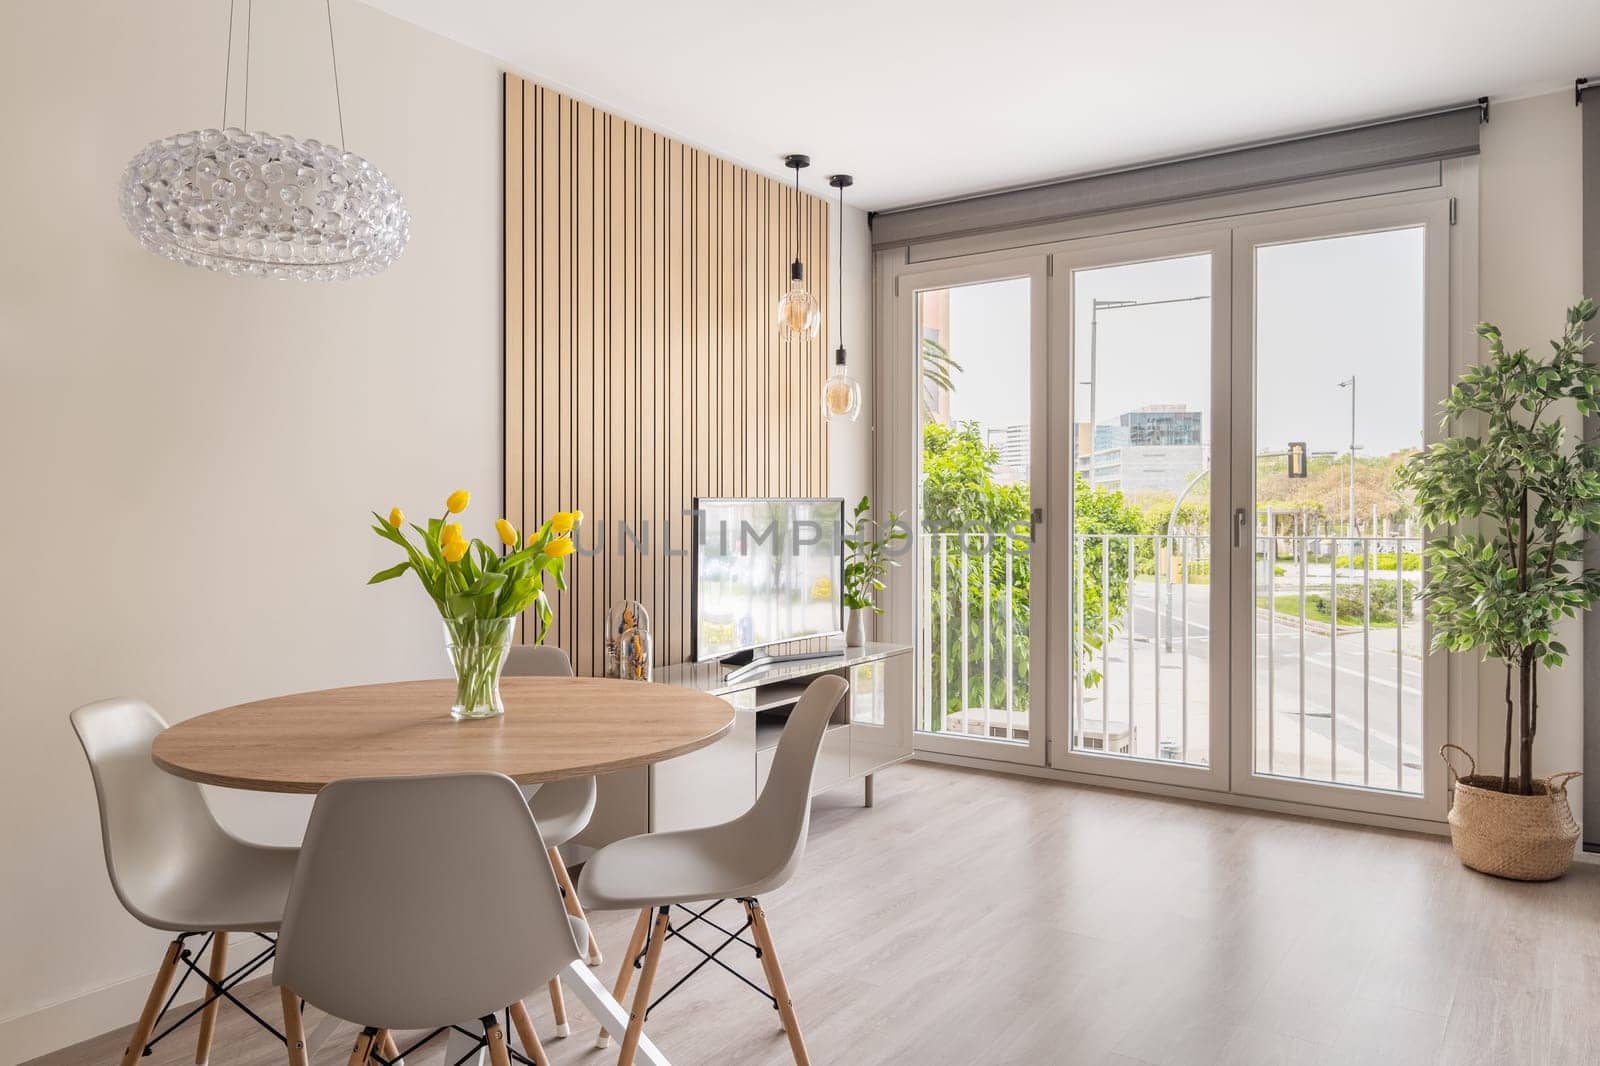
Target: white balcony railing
pixel 1336 627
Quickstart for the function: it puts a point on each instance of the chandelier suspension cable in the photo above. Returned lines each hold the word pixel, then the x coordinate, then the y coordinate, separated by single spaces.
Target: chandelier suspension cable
pixel 227 69
pixel 249 25
pixel 338 100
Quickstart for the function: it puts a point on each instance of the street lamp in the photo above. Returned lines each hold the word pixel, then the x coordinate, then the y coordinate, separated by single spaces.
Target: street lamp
pixel 1350 383
pixel 1095 307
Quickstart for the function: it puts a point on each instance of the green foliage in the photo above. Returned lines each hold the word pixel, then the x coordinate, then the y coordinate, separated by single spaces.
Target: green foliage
pixel 866 563
pixel 1102 582
pixel 1353 602
pixel 960 496
pixel 474 583
pixel 1385 561
pixel 1522 495
pixel 938 372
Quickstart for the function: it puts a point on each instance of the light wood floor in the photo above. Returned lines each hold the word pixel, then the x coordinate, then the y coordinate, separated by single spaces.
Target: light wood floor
pixel 981 919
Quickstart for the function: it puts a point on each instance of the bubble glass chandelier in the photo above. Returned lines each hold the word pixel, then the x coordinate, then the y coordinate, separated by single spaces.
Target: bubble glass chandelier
pixel 264 205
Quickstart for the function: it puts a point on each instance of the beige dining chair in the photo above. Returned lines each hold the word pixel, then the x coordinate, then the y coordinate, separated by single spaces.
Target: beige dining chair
pixel 174 868
pixel 754 854
pixel 562 808
pixel 393 953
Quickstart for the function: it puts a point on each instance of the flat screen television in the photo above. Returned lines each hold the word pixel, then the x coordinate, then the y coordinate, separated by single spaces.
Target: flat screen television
pixel 765 572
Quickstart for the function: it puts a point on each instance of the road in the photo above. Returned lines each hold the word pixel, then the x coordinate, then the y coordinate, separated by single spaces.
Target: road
pixel 1377 693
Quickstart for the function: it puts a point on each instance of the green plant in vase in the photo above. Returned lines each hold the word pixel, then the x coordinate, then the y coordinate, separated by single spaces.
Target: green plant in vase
pixel 866 563
pixel 480 590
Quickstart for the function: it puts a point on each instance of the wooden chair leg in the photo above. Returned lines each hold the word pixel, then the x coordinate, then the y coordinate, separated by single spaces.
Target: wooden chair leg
pixel 498 1055
pixel 569 894
pixel 208 1015
pixel 390 1049
pixel 641 929
pixel 152 1005
pixel 530 1039
pixel 294 1027
pixel 362 1054
pixel 641 998
pixel 558 1006
pixel 780 987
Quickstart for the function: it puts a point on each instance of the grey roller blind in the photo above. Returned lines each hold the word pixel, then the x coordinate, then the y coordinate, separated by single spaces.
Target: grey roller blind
pixel 1444 134
pixel 1589 96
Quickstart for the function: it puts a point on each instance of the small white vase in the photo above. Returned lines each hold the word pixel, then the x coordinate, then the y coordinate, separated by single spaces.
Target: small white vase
pixel 855 629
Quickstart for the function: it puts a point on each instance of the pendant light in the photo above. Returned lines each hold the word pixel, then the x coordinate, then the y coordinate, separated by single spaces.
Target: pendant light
pixel 263 205
pixel 798 313
pixel 841 393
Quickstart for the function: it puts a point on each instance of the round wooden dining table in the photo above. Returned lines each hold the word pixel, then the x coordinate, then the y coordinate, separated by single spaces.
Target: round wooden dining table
pixel 553 728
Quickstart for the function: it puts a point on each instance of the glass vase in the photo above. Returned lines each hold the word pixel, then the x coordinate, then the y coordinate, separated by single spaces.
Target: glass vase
pixel 638 653
pixel 478 650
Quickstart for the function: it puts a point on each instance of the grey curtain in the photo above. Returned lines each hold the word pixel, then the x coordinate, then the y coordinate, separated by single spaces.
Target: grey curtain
pixel 1443 134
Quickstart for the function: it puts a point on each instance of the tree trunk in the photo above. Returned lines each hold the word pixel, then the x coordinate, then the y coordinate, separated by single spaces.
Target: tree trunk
pixel 1525 662
pixel 1526 667
pixel 1511 714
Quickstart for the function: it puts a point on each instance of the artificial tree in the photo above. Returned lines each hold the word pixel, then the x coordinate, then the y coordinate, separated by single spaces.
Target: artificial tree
pixel 1522 498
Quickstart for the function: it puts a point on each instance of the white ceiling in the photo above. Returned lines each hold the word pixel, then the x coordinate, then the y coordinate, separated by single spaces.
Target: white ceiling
pixel 928 99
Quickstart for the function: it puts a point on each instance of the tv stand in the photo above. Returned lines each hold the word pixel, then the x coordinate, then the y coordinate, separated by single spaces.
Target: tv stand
pixel 870 729
pixel 748 664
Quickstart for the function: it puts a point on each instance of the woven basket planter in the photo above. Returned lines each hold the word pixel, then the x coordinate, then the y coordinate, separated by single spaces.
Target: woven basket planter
pixel 1525 838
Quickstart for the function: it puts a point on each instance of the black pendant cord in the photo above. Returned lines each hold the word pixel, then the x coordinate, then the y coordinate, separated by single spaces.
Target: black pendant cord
pixel 841 182
pixel 797 214
pixel 841 266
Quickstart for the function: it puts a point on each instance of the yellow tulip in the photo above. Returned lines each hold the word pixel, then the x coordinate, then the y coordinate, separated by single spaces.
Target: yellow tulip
pixel 561 522
pixel 507 531
pixel 452 535
pixel 396 517
pixel 577 516
pixel 453 551
pixel 557 548
pixel 457 501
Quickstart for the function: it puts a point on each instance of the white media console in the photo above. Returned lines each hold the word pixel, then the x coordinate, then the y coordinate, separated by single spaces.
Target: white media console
pixel 870 729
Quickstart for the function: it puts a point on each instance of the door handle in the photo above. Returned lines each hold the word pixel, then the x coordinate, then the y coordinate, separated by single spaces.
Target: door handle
pixel 1238 527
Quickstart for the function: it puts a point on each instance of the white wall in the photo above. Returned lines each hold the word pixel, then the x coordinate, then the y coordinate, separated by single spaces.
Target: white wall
pixel 1530 272
pixel 849 443
pixel 188 459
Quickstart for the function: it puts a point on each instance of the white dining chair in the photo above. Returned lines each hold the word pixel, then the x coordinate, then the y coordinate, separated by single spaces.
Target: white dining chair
pixel 741 860
pixel 393 953
pixel 174 868
pixel 562 808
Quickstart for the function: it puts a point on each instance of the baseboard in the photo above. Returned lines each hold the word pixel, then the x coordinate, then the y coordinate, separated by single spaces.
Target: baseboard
pixel 85 1017
pixel 1196 795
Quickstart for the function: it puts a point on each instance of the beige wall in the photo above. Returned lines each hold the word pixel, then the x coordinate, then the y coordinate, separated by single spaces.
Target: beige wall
pixel 1530 271
pixel 188 459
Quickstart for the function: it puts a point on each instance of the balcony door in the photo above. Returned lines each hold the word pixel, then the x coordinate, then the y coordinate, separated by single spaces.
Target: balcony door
pixel 1341 357
pixel 1144 325
pixel 980 398
pixel 1155 474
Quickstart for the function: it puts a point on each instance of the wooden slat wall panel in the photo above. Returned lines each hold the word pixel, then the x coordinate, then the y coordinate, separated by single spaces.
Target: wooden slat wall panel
pixel 643 366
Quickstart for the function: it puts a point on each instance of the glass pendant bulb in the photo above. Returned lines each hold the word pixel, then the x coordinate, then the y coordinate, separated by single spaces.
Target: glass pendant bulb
pixel 841 393
pixel 799 316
